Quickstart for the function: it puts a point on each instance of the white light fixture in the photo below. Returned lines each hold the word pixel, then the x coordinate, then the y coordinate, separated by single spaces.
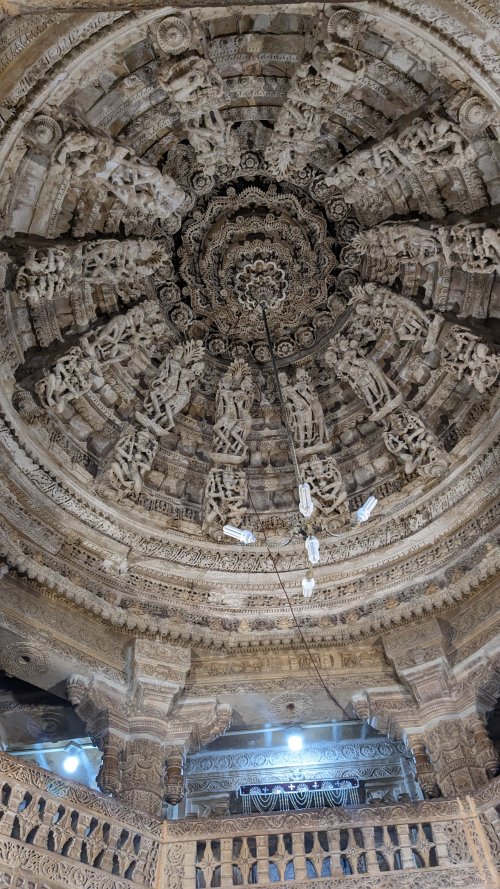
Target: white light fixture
pixel 306 505
pixel 294 743
pixel 71 763
pixel 364 512
pixel 308 584
pixel 240 534
pixel 312 547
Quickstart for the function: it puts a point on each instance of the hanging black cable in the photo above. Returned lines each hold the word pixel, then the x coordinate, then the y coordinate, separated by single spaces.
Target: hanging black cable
pixel 297 625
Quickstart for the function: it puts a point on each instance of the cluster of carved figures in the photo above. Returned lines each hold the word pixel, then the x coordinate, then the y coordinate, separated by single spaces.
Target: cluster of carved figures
pixel 123 348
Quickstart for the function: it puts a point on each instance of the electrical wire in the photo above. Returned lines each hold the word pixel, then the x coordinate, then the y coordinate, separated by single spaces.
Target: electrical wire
pixel 294 616
pixel 268 546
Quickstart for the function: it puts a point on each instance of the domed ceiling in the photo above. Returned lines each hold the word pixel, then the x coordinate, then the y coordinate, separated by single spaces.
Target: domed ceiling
pixel 167 175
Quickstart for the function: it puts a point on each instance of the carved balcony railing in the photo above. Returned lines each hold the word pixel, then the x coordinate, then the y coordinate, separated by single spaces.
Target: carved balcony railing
pixel 56 833
pixel 428 844
pixel 74 836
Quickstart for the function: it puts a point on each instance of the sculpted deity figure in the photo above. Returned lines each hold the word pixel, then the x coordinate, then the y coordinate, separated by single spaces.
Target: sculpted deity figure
pixel 213 141
pixel 364 376
pixel 304 410
pixel 133 457
pixel 111 261
pixel 397 240
pixel 471 246
pixel 193 84
pixel 418 449
pixel 139 186
pixel 472 360
pixel 327 488
pixel 376 308
pixel 295 136
pixel 142 327
pixel 45 274
pixel 225 499
pixel 171 389
pixel 426 145
pixel 434 143
pixel 367 169
pixel 233 421
pixel 77 149
pixel 72 376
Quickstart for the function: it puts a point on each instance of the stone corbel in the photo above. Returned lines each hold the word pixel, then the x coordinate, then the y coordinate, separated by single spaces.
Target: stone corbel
pixel 386 710
pixel 158 673
pixel 419 659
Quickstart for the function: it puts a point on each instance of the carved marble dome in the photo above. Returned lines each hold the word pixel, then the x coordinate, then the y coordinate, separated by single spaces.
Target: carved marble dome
pixel 165 172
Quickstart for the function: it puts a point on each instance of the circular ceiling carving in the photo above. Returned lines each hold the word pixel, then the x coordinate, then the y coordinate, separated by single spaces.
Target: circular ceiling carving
pixel 218 164
pixel 251 246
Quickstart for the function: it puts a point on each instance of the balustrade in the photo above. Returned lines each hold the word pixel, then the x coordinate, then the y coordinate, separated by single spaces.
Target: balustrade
pixel 57 833
pixel 446 842
pixel 68 825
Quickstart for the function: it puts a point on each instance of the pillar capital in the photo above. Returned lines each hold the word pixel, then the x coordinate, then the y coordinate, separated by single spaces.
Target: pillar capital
pixel 143 735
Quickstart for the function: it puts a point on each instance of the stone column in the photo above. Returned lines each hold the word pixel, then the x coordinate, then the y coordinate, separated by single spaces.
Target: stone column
pixel 143 735
pixel 485 750
pixel 454 756
pixel 426 775
pixel 174 783
pixel 97 704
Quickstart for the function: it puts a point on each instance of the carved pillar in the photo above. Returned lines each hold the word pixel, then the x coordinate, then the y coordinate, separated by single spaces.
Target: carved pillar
pixel 426 775
pixel 142 769
pixel 486 753
pixel 453 753
pixel 97 704
pixel 174 784
pixel 143 735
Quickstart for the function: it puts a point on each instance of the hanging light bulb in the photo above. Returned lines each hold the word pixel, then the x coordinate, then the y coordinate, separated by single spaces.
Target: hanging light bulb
pixel 312 547
pixel 364 512
pixel 308 584
pixel 306 505
pixel 241 534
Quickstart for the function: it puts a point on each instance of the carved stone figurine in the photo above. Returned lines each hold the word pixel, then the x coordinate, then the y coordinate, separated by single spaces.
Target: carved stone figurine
pixel 377 309
pixel 72 376
pixel 419 450
pixel 327 488
pixel 225 499
pixel 133 457
pixel 233 420
pixel 193 85
pixel 213 141
pixel 470 359
pixel 142 327
pixel 171 389
pixel 139 186
pixel 51 272
pixel 364 376
pixel 304 410
pixel 45 274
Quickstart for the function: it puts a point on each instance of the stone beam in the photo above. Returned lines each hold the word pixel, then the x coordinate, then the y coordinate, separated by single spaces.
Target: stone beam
pixel 21 7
